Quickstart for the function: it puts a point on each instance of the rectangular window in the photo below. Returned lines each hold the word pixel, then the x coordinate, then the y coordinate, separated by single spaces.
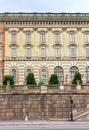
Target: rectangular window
pixel 57 52
pixel 28 38
pixel 28 52
pixel 0 37
pixel 42 37
pixel 87 52
pixel 57 38
pixel 72 38
pixel 0 52
pixel 43 52
pixel 86 37
pixel 13 37
pixel 13 52
pixel 72 52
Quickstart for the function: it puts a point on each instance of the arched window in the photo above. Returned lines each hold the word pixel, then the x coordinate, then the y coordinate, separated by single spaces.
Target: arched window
pixel 59 71
pixel 28 71
pixel 14 74
pixel 87 74
pixel 43 76
pixel 73 69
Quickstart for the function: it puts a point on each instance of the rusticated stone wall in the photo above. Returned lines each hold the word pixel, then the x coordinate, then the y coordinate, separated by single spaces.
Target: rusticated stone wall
pixel 17 106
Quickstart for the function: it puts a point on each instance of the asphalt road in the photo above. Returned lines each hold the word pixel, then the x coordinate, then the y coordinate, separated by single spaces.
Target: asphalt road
pixel 45 127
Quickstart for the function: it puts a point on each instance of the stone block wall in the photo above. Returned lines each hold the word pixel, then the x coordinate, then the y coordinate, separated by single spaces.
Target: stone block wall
pixel 35 106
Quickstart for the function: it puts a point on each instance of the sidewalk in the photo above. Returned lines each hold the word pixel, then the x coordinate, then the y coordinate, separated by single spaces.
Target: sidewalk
pixel 41 122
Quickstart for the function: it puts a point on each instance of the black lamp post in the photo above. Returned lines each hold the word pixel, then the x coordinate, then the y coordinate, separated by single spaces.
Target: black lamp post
pixel 71 105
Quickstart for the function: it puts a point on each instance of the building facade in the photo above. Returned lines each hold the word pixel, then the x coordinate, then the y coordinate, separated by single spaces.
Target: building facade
pixel 45 43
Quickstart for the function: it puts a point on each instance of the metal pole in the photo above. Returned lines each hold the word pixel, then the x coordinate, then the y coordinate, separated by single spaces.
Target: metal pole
pixel 71 103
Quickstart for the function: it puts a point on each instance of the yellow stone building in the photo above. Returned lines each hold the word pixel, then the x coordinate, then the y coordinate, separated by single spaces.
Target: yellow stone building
pixel 46 43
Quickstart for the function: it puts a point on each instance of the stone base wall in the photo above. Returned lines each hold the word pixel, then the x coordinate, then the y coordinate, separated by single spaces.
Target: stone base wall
pixel 34 106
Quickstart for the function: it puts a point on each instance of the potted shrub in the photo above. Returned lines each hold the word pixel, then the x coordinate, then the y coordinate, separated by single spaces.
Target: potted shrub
pixel 77 80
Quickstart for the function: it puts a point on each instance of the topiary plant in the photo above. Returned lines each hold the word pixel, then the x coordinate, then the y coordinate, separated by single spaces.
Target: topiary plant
pixel 8 78
pixel 30 79
pixel 53 79
pixel 77 77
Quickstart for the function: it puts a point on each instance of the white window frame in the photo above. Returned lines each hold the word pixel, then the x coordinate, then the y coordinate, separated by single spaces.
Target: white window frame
pixel 28 38
pixel 28 52
pixel 56 37
pixel 13 37
pixel 43 52
pixel 42 37
pixel 72 51
pixel 14 52
pixel 72 38
pixel 86 37
pixel 57 52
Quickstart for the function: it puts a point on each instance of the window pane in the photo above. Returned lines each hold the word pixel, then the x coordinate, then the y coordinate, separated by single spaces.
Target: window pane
pixel 43 52
pixel 27 38
pixel 73 52
pixel 87 52
pixel 71 37
pixel 42 37
pixel 13 38
pixel 43 76
pixel 57 52
pixel 59 71
pixel 13 52
pixel 87 74
pixel 86 37
pixel 57 38
pixel 28 71
pixel 28 52
pixel 73 69
pixel 14 74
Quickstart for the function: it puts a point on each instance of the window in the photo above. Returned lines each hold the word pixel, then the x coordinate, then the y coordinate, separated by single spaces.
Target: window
pixel 87 52
pixel 87 74
pixel 72 38
pixel 0 37
pixel 28 52
pixel 14 74
pixel 73 69
pixel 42 37
pixel 0 52
pixel 57 52
pixel 43 52
pixel 43 76
pixel 28 71
pixel 57 38
pixel 13 52
pixel 28 37
pixel 13 37
pixel 86 37
pixel 72 52
pixel 59 71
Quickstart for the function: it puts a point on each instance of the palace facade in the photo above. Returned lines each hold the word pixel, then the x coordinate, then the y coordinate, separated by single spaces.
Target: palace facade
pixel 44 43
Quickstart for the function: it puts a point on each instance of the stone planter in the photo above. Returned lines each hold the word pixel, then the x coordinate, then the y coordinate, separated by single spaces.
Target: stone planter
pixel 43 89
pixel 61 87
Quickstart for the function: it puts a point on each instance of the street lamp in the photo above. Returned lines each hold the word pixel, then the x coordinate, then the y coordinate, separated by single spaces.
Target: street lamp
pixel 71 105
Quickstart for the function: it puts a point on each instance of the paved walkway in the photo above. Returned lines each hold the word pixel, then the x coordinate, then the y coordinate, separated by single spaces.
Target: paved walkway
pixel 40 122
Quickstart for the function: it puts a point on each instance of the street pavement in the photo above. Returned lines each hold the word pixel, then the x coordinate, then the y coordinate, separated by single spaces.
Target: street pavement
pixel 43 125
